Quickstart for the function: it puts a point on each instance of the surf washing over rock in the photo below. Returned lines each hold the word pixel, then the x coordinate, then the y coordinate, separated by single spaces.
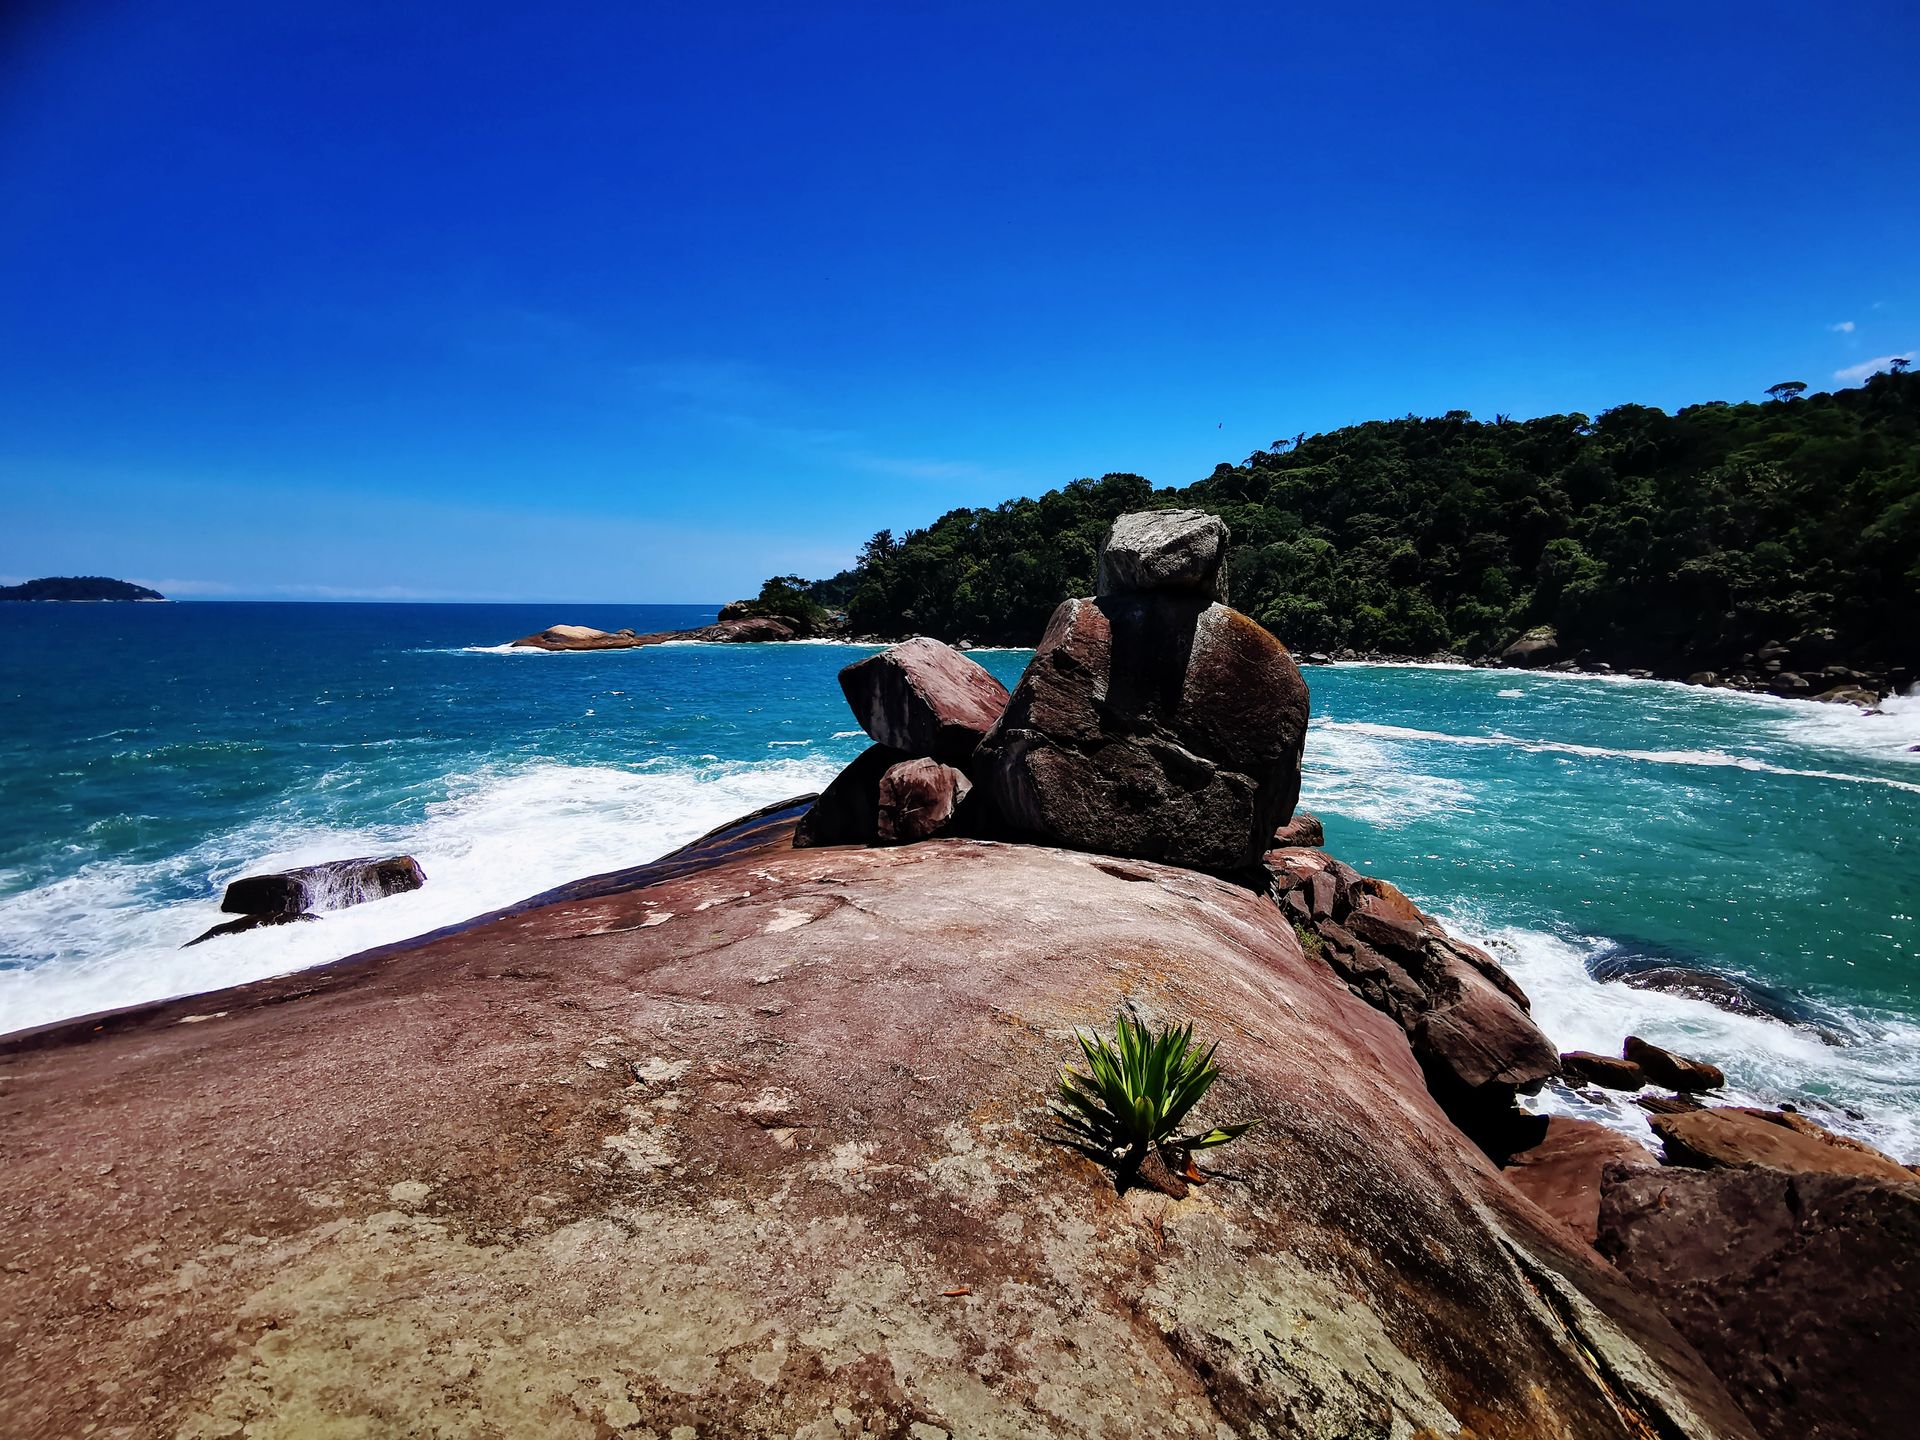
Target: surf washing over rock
pixel 754 1140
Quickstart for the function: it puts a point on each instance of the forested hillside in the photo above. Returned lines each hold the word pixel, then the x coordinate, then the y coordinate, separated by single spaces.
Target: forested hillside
pixel 1648 538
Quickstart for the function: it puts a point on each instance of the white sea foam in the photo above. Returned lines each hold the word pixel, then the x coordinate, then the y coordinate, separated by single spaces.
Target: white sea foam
pixel 100 938
pixel 1766 1061
pixel 1349 772
pixel 1716 759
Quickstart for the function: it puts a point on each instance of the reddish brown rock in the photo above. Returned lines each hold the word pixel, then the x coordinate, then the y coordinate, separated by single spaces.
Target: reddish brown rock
pixel 769 1137
pixel 1161 727
pixel 579 637
pixel 1478 1047
pixel 918 799
pixel 847 812
pixel 1607 1071
pixel 924 698
pixel 331 886
pixel 755 629
pixel 1562 1173
pixel 1739 1138
pixel 1303 829
pixel 1676 1072
pixel 1798 1289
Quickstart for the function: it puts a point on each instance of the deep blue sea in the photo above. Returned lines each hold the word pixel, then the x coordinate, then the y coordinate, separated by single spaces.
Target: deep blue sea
pixel 150 753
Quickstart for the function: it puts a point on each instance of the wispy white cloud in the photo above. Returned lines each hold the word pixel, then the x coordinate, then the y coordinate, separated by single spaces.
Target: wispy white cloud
pixel 1870 367
pixel 1842 327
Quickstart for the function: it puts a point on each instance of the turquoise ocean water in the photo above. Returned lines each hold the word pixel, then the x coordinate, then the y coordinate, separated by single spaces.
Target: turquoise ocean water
pixel 151 753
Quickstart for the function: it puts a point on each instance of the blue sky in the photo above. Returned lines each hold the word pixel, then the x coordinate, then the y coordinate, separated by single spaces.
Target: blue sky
pixel 635 302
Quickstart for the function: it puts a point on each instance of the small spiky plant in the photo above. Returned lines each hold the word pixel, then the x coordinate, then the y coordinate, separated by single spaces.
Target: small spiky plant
pixel 1137 1090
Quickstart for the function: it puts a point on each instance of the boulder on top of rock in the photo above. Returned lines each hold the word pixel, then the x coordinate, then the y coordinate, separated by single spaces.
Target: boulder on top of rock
pixel 924 698
pixel 1676 1072
pixel 1156 726
pixel 1610 1072
pixel 1563 1173
pixel 332 886
pixel 1538 647
pixel 918 799
pixel 1742 1138
pixel 1797 1289
pixel 1302 829
pixel 848 810
pixel 1175 551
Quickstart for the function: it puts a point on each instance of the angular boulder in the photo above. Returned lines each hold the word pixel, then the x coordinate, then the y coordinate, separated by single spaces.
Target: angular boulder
pixel 1169 551
pixel 1676 1072
pixel 332 886
pixel 1563 1173
pixel 918 799
pixel 1161 727
pixel 1302 830
pixel 925 699
pixel 1797 1289
pixel 847 812
pixel 1743 1138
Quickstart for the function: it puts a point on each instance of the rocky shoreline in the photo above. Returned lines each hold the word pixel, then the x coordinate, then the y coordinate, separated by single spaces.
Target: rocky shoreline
pixel 754 1140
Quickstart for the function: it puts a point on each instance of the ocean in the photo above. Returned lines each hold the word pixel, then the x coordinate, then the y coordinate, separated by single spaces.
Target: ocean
pixel 151 753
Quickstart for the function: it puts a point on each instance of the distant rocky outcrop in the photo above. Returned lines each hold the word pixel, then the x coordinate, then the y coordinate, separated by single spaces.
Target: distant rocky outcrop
pixel 78 587
pixel 1156 723
pixel 752 630
pixel 1538 647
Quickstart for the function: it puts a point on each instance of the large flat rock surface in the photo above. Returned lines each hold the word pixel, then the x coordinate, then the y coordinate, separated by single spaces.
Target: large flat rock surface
pixel 761 1148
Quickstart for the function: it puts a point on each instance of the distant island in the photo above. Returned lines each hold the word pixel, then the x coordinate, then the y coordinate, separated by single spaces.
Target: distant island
pixel 1716 539
pixel 78 587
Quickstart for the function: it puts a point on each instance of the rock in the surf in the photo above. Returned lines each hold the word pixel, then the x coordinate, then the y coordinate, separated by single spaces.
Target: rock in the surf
pixel 1797 1289
pixel 918 799
pixel 1610 1072
pixel 1676 1072
pixel 249 922
pixel 1158 725
pixel 332 886
pixel 579 637
pixel 924 698
pixel 1167 551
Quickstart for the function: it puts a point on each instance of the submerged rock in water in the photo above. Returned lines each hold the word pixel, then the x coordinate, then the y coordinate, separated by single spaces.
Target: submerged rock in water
pixel 1648 968
pixel 1676 1072
pixel 768 1138
pixel 332 886
pixel 1610 1072
pixel 250 922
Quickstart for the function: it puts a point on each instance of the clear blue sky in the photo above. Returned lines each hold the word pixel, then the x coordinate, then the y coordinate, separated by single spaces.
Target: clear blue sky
pixel 639 302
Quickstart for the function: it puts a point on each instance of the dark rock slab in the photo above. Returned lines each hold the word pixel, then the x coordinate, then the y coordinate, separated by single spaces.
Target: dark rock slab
pixel 1798 1289
pixel 332 886
pixel 249 922
pixel 918 799
pixel 1170 551
pixel 924 699
pixel 1676 1072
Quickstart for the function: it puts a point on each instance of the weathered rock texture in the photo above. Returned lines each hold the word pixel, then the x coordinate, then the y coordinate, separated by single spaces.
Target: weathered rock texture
pixel 1798 1289
pixel 1465 1019
pixel 1302 829
pixel 332 886
pixel 1538 646
pixel 918 799
pixel 924 698
pixel 1162 727
pixel 847 812
pixel 762 1150
pixel 1562 1173
pixel 747 630
pixel 1676 1072
pixel 1741 1138
pixel 1177 551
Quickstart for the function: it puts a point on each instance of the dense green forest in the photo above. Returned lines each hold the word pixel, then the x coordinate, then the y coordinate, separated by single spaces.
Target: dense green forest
pixel 1648 538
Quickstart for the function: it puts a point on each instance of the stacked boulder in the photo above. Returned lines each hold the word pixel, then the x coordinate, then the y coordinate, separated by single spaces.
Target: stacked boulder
pixel 1466 1020
pixel 926 706
pixel 1154 721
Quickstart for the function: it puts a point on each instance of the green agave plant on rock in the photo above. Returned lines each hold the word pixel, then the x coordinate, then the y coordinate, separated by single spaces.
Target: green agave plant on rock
pixel 1137 1090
